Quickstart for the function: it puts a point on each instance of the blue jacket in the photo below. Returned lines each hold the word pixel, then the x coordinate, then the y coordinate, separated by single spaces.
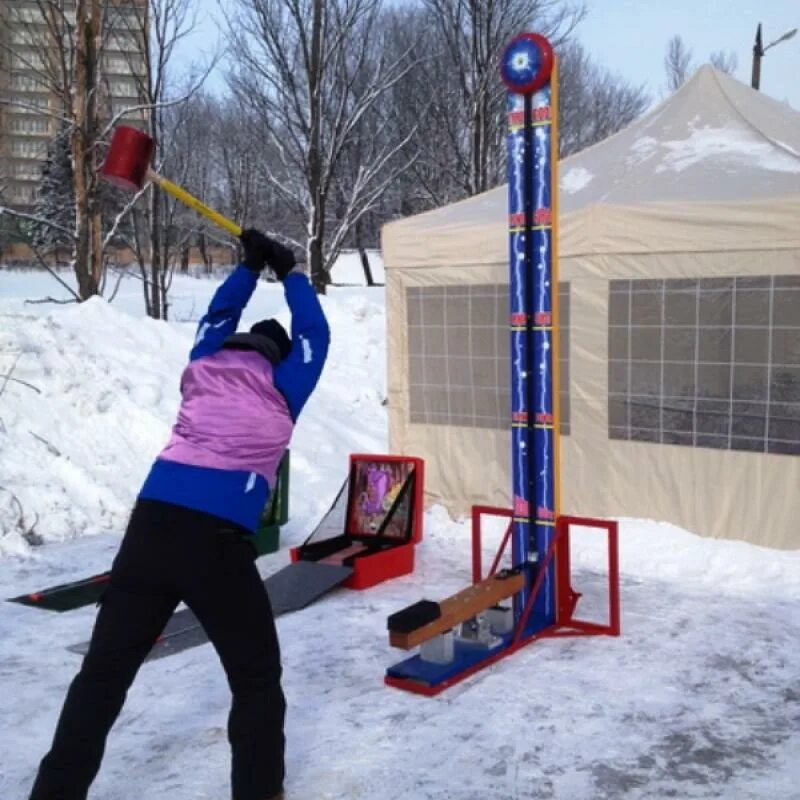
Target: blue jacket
pixel 237 411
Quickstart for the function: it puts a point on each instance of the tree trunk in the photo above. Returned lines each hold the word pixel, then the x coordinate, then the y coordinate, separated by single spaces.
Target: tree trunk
pixel 202 243
pixel 82 272
pixel 156 305
pixel 88 255
pixel 316 260
pixel 365 264
pixel 362 253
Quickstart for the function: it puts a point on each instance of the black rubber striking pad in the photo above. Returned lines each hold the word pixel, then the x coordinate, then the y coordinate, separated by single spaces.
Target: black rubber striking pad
pixel 412 617
pixel 290 589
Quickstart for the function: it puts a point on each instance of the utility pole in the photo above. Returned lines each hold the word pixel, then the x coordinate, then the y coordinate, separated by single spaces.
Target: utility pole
pixel 759 50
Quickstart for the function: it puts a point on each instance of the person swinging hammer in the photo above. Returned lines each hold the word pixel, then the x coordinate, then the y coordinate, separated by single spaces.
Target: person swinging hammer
pixel 189 534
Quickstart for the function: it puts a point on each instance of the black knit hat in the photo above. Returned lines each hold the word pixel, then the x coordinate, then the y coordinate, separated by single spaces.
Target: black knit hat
pixel 273 330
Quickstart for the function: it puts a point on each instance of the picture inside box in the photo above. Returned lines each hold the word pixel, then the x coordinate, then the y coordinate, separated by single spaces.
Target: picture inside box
pixel 373 512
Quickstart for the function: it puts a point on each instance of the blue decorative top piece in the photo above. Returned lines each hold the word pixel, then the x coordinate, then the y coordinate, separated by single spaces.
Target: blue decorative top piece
pixel 526 63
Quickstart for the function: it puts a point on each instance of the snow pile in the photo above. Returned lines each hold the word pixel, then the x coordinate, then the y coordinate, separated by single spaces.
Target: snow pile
pixel 100 388
pixel 92 393
pixel 664 553
pixel 576 179
pixel 736 146
pixel 349 271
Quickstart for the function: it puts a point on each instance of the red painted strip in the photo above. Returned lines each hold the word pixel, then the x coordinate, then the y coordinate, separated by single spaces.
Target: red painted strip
pixel 518 318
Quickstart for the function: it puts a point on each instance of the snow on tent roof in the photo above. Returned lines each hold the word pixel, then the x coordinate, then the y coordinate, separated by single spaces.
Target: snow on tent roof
pixel 714 139
pixel 715 166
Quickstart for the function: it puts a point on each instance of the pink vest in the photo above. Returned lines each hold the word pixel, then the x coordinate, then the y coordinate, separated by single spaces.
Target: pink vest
pixel 232 417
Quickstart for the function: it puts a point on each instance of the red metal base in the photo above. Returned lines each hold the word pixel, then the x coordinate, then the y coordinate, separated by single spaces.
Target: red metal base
pixel 566 598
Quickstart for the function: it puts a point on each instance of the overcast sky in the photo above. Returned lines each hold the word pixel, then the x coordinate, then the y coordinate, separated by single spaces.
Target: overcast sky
pixel 630 38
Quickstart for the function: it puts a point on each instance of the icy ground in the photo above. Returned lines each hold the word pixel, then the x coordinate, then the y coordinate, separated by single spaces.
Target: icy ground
pixel 699 698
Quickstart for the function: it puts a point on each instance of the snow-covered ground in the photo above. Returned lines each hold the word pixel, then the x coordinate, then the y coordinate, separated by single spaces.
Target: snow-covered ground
pixel 699 698
pixel 349 271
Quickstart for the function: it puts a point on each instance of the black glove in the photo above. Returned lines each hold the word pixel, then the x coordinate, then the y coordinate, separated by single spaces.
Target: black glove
pixel 260 251
pixel 257 249
pixel 281 260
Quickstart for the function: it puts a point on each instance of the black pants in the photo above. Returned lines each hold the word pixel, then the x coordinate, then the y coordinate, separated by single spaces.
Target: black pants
pixel 171 554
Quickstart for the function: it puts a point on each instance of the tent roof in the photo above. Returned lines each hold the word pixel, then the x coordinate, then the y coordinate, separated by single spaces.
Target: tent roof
pixel 714 139
pixel 714 142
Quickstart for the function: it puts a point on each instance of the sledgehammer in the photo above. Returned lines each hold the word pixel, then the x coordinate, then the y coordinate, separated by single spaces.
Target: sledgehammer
pixel 127 166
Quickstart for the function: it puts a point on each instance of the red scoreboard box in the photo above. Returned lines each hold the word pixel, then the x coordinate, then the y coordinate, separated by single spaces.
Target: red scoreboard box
pixel 374 523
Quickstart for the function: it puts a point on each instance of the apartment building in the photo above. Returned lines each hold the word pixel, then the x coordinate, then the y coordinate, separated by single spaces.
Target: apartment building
pixel 33 51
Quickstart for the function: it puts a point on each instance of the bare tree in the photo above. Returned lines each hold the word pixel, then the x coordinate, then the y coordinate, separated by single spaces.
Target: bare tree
pixel 677 63
pixel 426 100
pixel 472 36
pixel 594 103
pixel 248 166
pixel 726 62
pixel 160 228
pixel 62 50
pixel 300 65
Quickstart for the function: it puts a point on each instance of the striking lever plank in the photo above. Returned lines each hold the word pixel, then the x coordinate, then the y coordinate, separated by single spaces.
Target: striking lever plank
pixel 460 607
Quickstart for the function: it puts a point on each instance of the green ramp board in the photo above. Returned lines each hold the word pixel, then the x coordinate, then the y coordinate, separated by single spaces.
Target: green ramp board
pixel 276 512
pixel 290 589
pixel 67 596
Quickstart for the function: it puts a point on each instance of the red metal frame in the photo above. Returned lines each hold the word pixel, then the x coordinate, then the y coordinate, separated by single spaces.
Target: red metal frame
pixel 567 598
pixel 566 623
pixel 477 513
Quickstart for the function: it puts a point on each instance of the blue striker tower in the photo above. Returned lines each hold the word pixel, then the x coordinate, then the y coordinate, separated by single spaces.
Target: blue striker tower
pixel 527 67
pixel 473 629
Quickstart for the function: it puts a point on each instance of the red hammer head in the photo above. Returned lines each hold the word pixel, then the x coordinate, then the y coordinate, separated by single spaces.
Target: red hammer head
pixel 128 158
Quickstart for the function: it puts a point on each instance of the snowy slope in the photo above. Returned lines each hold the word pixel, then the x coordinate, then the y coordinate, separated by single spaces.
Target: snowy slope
pixel 102 394
pixel 698 699
pixel 349 271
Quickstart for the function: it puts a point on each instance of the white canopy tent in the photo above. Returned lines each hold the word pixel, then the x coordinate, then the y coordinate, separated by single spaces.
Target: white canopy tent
pixel 679 242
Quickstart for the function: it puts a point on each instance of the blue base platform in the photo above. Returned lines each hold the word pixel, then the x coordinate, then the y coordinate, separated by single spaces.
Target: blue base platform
pixel 466 656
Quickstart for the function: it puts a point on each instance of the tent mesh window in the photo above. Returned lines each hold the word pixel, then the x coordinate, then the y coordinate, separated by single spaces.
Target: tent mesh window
pixel 707 362
pixel 459 356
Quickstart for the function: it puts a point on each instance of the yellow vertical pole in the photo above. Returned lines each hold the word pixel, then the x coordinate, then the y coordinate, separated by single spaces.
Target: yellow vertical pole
pixel 554 206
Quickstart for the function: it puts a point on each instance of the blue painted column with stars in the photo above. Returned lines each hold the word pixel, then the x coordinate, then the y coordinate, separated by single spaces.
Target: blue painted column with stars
pixel 526 69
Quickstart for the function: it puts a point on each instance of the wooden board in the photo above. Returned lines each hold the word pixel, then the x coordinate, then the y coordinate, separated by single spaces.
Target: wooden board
pixel 460 607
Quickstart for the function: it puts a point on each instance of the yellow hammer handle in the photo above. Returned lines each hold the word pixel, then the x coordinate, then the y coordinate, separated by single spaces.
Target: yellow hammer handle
pixel 191 201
